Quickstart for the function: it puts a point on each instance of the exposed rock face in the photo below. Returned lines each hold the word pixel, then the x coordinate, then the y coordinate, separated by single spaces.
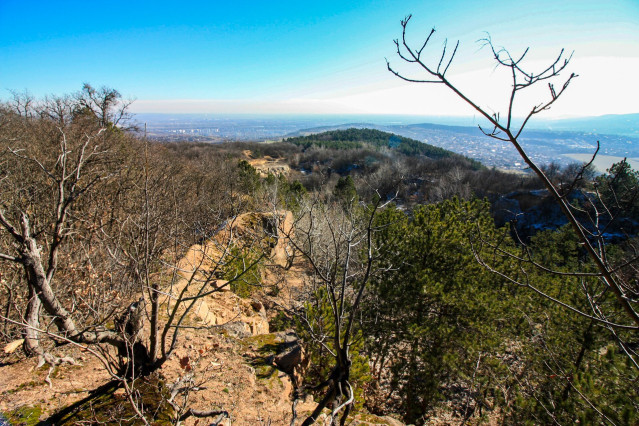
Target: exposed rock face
pixel 283 250
pixel 267 165
pixel 248 230
pixel 273 168
pixel 241 317
pixel 229 310
pixel 238 329
pixel 529 212
pixel 294 362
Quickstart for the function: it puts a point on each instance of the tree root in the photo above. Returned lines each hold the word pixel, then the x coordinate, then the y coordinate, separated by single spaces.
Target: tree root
pixel 53 361
pixel 221 415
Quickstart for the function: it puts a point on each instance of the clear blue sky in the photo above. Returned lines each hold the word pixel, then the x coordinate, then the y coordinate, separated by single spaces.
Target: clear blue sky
pixel 294 56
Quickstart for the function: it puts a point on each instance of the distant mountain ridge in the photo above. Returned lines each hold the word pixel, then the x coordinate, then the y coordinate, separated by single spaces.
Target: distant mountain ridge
pixel 613 124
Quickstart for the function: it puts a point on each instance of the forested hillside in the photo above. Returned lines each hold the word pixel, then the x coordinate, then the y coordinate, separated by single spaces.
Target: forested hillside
pixel 360 138
pixel 350 274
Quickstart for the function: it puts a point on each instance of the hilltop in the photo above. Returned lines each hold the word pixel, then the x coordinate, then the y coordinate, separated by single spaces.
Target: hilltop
pixel 353 138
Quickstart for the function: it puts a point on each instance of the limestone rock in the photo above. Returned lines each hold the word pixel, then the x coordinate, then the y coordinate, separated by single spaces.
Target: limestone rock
pixel 238 329
pixel 12 346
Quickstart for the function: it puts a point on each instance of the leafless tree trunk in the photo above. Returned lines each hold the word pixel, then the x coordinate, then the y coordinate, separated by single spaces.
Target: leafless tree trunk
pixel 96 233
pixel 32 319
pixel 338 242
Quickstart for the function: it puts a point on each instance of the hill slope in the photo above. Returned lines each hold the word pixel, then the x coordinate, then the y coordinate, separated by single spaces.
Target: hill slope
pixel 354 138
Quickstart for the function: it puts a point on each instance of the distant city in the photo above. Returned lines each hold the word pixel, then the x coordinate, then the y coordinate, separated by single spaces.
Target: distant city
pixel 561 141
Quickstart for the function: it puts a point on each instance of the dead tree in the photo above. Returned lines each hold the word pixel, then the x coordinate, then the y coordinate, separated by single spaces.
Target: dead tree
pixel 337 241
pixel 586 221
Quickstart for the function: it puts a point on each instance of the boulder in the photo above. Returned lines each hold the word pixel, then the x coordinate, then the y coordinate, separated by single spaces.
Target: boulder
pixel 293 361
pixel 238 329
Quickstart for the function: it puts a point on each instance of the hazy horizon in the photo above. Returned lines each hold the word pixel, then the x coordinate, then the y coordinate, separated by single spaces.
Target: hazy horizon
pixel 328 57
pixel 621 124
pixel 389 115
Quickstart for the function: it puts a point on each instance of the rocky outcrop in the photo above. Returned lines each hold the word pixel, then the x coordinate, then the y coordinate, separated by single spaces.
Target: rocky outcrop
pixel 237 315
pixel 293 360
pixel 529 212
pixel 251 231
pixel 267 165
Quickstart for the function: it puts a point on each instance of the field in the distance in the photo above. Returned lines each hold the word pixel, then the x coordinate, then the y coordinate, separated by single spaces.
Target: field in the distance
pixel 603 162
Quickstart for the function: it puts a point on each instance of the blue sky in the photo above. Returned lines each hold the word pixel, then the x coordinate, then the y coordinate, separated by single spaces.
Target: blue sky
pixel 317 57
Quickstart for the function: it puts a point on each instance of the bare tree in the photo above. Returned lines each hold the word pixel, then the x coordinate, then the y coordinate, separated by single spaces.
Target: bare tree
pixel 94 232
pixel 22 103
pixel 337 241
pixel 58 108
pixel 105 105
pixel 61 181
pixel 589 221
